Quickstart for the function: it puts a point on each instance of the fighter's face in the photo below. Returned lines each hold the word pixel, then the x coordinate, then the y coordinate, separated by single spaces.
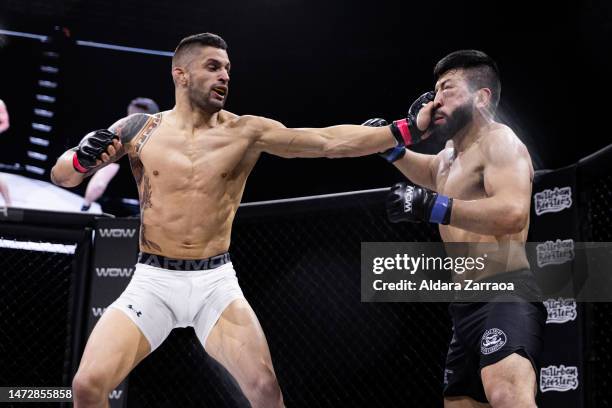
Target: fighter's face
pixel 453 105
pixel 208 78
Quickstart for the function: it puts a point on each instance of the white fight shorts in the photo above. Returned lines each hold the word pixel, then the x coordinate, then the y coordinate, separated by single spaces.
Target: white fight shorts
pixel 159 299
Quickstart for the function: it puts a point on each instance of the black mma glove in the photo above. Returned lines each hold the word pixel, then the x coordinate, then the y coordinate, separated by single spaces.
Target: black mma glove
pixel 412 203
pixel 405 131
pixel 91 148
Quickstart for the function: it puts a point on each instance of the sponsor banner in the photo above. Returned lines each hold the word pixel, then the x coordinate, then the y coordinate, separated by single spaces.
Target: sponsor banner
pixel 555 253
pixel 558 260
pixel 114 258
pixel 561 310
pixel 554 214
pixel 559 378
pixel 552 200
pixel 109 272
pixel 116 232
pixel 118 396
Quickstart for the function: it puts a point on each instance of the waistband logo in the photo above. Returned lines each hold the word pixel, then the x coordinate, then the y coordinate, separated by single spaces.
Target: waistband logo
pixel 555 253
pixel 560 310
pixel 558 378
pixel 549 201
pixel 138 312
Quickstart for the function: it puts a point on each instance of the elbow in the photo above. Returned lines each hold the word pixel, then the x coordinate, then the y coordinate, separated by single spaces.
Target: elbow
pixel 62 182
pixel 515 220
pixel 54 178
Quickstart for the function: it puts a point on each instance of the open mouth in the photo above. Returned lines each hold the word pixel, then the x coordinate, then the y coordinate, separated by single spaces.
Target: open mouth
pixel 220 90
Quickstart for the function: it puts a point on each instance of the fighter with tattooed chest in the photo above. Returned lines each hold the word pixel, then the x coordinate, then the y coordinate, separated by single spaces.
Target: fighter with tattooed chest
pixel 191 164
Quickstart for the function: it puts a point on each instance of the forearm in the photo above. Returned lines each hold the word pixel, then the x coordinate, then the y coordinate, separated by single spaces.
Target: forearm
pixel 354 141
pixel 332 142
pixel 490 216
pixel 63 173
pixel 417 168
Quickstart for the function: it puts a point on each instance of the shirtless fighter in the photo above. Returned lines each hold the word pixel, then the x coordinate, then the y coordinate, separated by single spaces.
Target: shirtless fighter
pixel 191 164
pixel 482 182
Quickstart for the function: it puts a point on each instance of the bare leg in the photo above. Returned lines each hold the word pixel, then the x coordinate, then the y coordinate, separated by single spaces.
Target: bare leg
pixel 237 341
pixel 511 382
pixel 115 346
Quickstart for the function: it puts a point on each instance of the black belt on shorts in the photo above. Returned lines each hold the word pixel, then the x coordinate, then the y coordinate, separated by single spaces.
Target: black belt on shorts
pixel 161 261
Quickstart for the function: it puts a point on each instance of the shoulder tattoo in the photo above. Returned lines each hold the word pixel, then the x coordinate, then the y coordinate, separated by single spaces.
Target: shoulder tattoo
pixel 129 127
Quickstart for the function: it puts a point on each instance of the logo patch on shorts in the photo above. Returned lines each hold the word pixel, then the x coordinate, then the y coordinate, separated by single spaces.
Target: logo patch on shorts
pixel 138 312
pixel 492 340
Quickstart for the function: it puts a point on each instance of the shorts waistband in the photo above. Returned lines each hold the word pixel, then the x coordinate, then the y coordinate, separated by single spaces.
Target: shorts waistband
pixel 160 261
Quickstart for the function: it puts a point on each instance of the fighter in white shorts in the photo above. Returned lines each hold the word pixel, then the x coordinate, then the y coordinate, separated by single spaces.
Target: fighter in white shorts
pixel 191 164
pixel 165 293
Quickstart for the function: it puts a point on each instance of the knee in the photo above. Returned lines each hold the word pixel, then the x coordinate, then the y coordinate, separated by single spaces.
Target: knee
pixel 88 388
pixel 502 394
pixel 264 390
pixel 499 394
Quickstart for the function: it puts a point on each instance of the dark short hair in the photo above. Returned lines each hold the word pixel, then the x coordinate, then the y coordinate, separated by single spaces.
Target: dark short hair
pixel 481 71
pixel 202 39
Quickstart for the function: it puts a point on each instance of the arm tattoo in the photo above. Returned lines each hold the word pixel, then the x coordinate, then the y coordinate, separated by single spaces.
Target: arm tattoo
pixel 129 127
pixel 145 202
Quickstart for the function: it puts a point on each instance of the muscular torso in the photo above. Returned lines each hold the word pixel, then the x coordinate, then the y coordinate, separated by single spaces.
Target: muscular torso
pixel 190 184
pixel 461 176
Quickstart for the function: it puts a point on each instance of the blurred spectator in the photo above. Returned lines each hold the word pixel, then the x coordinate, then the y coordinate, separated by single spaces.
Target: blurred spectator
pixel 4 125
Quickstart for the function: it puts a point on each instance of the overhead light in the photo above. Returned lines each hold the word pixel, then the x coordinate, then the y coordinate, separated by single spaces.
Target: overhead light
pixel 41 127
pixel 45 98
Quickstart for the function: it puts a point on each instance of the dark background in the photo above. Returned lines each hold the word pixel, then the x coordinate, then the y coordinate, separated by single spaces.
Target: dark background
pixel 315 63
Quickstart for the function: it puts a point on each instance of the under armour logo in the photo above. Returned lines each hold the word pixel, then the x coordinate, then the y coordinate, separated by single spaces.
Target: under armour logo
pixel 138 313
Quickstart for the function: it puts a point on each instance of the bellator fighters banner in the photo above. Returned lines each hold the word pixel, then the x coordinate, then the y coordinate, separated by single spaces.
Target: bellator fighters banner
pixel 554 227
pixel 114 259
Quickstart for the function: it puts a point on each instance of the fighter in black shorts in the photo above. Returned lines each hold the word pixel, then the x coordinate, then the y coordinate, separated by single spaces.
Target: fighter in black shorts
pixel 482 182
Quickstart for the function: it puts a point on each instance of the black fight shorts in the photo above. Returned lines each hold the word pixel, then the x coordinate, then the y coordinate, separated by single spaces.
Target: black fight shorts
pixel 485 333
